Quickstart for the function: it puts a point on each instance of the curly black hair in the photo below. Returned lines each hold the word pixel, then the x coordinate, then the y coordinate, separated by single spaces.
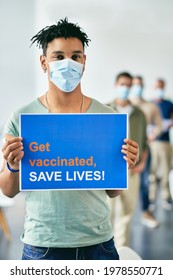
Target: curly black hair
pixel 62 28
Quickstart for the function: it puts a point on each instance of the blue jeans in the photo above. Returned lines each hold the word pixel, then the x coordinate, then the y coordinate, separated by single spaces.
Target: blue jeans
pixel 144 185
pixel 102 251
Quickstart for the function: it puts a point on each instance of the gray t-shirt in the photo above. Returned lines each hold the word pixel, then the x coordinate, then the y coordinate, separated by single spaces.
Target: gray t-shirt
pixel 68 218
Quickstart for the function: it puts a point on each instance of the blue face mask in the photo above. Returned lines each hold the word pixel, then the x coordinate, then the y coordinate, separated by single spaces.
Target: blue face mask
pixel 122 92
pixel 136 91
pixel 66 74
pixel 159 93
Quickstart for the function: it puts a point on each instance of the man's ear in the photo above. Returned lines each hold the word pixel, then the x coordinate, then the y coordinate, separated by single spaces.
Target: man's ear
pixel 43 63
pixel 84 62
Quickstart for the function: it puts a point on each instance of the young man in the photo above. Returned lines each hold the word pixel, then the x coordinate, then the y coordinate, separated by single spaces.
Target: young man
pixel 122 208
pixel 161 150
pixel 62 224
pixel 154 128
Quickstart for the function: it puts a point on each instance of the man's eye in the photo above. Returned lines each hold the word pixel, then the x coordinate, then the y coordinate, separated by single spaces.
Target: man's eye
pixel 75 57
pixel 58 57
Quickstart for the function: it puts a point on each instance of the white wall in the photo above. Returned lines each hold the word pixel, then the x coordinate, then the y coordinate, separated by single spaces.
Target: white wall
pixel 17 20
pixel 125 35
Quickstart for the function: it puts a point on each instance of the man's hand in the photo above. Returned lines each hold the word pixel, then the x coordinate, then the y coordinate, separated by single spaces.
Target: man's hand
pixel 13 151
pixel 131 152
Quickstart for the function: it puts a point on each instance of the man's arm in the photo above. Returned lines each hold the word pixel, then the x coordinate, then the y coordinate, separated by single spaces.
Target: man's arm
pixel 12 152
pixel 113 193
pixel 156 126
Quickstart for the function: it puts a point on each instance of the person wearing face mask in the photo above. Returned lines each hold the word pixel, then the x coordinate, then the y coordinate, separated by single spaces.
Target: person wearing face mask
pixel 69 224
pixel 161 149
pixel 123 207
pixel 154 128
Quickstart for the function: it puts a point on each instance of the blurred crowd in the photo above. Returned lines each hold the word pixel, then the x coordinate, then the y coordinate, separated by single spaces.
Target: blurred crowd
pixel 150 123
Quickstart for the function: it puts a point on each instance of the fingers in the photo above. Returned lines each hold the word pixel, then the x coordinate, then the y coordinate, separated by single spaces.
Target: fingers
pixel 11 141
pixel 131 143
pixel 13 151
pixel 131 152
pixel 130 162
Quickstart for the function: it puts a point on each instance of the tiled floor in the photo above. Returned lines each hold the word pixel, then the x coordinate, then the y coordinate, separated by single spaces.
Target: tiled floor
pixel 11 250
pixel 154 244
pixel 150 244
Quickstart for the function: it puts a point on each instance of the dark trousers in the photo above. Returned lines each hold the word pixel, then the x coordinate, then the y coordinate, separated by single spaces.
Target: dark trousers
pixel 144 184
pixel 102 251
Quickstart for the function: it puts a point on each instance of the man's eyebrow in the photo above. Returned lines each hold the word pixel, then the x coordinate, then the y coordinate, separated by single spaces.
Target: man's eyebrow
pixel 57 52
pixel 61 52
pixel 77 51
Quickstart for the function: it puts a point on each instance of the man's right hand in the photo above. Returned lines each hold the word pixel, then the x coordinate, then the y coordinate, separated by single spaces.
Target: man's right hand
pixel 12 151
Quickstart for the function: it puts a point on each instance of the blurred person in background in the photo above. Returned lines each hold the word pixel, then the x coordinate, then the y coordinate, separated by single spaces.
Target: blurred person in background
pixel 154 128
pixel 161 149
pixel 123 207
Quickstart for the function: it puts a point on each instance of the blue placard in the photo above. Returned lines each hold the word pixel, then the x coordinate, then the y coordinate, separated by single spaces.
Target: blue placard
pixel 73 151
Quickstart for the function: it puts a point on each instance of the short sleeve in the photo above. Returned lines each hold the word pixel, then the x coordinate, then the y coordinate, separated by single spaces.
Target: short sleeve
pixel 12 126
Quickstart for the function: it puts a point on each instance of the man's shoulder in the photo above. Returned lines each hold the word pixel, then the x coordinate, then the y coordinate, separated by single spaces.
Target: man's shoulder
pixel 32 107
pixel 152 106
pixel 138 111
pixel 169 102
pixel 98 107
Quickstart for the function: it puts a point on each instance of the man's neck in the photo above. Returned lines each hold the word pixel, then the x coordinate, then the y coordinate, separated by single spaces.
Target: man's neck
pixel 137 100
pixel 57 101
pixel 122 103
pixel 63 102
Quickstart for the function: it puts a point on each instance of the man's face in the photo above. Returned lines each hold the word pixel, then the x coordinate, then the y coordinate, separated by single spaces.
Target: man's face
pixel 159 85
pixel 136 90
pixel 123 85
pixel 159 90
pixel 124 81
pixel 61 48
pixel 137 81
